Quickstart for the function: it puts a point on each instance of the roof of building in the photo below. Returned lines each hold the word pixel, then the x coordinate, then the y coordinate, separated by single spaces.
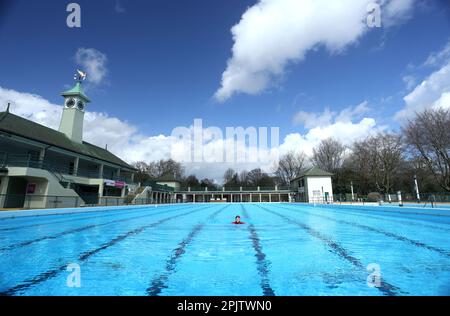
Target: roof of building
pixel 77 90
pixel 168 178
pixel 313 172
pixel 19 126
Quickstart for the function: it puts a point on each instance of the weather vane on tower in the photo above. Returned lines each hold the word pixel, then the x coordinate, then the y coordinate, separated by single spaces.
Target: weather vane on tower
pixel 80 76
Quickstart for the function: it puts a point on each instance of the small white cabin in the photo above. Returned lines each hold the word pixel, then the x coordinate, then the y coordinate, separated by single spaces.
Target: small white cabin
pixel 313 185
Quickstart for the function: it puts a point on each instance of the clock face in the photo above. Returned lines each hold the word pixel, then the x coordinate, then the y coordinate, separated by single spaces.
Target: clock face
pixel 80 105
pixel 70 103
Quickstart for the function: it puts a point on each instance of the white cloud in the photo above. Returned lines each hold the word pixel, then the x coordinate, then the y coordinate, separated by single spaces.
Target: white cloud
pixel 410 81
pixel 94 63
pixel 126 141
pixel 443 102
pixel 433 91
pixel 32 107
pixel 274 33
pixel 309 119
pixel 396 12
pixel 427 94
pixel 437 57
pixel 345 132
pixel 350 113
pixel 346 126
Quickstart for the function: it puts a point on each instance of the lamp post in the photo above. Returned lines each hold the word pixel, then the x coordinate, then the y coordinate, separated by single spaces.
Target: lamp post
pixel 353 194
pixel 399 196
pixel 417 188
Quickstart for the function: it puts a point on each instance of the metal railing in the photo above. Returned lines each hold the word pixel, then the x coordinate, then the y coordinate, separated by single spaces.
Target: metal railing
pixel 34 201
pixel 234 189
pixel 425 199
pixel 33 161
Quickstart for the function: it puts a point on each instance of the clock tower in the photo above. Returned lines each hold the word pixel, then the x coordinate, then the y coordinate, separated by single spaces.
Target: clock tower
pixel 73 114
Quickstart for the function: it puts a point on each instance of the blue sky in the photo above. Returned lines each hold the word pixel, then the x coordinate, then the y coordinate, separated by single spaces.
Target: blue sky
pixel 164 60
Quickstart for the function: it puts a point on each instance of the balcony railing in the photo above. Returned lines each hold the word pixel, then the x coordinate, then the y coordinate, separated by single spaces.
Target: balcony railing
pixel 32 161
pixel 34 201
pixel 236 189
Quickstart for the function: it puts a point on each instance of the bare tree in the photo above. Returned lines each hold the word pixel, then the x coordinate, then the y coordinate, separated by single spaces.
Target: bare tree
pixel 329 155
pixel 428 137
pixel 243 178
pixel 192 181
pixel 230 177
pixel 257 177
pixel 143 171
pixel 209 183
pixel 289 166
pixel 378 159
pixel 162 167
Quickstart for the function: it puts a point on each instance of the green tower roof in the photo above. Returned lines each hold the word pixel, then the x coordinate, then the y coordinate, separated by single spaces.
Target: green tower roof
pixel 313 172
pixel 77 90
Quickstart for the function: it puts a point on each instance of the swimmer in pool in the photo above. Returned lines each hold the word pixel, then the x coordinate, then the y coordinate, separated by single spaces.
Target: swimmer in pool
pixel 237 221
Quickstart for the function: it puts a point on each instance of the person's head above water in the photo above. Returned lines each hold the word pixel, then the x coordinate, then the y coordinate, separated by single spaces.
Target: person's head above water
pixel 237 220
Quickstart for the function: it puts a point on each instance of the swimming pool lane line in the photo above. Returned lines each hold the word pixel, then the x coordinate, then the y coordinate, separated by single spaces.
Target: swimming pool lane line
pixel 160 282
pixel 86 255
pixel 262 264
pixel 379 231
pixel 385 288
pixel 111 212
pixel 83 228
pixel 123 212
pixel 386 211
pixel 87 211
pixel 391 219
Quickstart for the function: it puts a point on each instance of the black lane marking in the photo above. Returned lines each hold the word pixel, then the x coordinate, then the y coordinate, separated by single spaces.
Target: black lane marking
pixel 392 219
pixel 385 288
pixel 86 255
pixel 80 229
pixel 395 212
pixel 160 282
pixel 383 232
pixel 262 264
pixel 124 212
pixel 71 213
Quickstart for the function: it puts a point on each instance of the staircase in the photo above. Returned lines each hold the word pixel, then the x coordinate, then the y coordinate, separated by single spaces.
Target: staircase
pixel 141 193
pixel 61 179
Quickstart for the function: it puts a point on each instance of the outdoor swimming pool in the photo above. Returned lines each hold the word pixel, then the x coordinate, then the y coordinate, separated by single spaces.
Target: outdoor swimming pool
pixel 284 249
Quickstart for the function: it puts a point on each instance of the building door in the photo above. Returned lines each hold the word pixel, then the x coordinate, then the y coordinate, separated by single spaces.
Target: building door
pixel 15 196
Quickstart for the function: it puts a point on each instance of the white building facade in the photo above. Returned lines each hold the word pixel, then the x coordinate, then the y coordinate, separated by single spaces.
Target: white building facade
pixel 313 185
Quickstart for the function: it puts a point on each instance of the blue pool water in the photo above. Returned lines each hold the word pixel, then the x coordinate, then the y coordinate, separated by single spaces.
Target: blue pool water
pixel 284 249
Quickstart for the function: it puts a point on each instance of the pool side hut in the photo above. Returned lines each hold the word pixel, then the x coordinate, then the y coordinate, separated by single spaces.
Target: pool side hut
pixel 313 185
